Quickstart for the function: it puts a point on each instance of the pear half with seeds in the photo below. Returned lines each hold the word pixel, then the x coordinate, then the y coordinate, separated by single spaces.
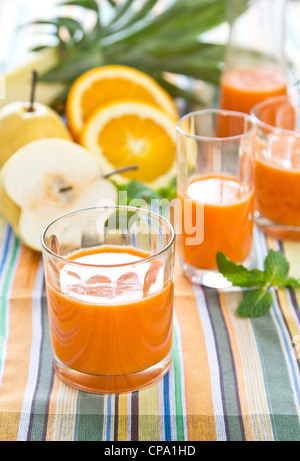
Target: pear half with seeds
pixel 46 179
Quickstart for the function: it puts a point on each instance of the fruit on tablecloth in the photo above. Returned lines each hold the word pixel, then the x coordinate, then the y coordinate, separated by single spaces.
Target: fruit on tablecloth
pixel 105 84
pixel 23 122
pixel 45 179
pixel 19 126
pixel 133 133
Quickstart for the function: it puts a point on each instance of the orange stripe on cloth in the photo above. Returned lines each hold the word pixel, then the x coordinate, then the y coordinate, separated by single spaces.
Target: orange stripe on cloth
pixel 149 413
pixel 56 403
pixel 17 356
pixel 198 393
pixel 62 412
pixel 123 417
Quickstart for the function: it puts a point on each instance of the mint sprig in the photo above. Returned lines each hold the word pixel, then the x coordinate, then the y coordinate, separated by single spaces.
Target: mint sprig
pixel 258 301
pixel 136 190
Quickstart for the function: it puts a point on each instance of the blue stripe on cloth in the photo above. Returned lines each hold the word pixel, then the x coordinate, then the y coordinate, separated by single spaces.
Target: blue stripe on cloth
pixel 108 417
pixel 167 421
pixel 5 246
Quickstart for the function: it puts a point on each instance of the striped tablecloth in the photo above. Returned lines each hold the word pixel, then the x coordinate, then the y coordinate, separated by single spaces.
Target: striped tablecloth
pixel 231 379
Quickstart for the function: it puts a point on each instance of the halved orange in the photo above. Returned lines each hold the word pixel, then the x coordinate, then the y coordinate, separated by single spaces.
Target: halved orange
pixel 129 132
pixel 109 83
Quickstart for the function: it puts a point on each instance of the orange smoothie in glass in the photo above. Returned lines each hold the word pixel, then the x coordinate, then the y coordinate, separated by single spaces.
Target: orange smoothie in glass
pixel 227 220
pixel 241 89
pixel 277 181
pixel 114 324
pixel 277 168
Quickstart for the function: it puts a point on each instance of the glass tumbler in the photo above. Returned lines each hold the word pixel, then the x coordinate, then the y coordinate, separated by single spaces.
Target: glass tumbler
pixel 277 171
pixel 215 182
pixel 255 61
pixel 109 280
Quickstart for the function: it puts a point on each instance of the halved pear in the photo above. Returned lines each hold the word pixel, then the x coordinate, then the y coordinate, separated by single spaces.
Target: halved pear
pixel 45 179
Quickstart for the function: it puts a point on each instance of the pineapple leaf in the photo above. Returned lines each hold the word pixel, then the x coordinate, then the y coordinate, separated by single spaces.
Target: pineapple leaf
pixel 154 36
pixel 88 4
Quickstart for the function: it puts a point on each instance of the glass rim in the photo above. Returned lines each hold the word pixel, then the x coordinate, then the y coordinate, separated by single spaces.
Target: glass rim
pixel 51 253
pixel 216 111
pixel 275 129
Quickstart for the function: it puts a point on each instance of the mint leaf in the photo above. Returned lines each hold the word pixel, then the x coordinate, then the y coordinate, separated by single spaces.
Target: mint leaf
pixel 170 190
pixel 275 274
pixel 239 275
pixel 136 192
pixel 290 282
pixel 276 268
pixel 255 303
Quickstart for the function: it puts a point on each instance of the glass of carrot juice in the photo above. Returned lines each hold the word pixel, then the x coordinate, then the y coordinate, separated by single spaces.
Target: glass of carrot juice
pixel 109 282
pixel 255 66
pixel 277 170
pixel 215 186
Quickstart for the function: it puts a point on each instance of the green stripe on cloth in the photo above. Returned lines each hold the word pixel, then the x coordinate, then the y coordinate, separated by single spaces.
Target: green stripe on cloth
pixel 276 380
pixel 234 426
pixel 278 361
pixel 40 405
pixel 89 424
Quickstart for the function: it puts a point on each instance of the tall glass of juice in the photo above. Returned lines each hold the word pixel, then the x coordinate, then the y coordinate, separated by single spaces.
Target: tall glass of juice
pixel 109 281
pixel 255 63
pixel 277 170
pixel 215 182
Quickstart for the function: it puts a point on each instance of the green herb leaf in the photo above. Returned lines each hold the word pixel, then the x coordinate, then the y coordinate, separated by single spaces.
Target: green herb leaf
pixel 137 193
pixel 137 190
pixel 275 274
pixel 169 191
pixel 290 282
pixel 239 275
pixel 255 303
pixel 276 268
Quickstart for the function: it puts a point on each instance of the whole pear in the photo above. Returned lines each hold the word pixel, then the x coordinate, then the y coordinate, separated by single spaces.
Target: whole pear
pixel 21 123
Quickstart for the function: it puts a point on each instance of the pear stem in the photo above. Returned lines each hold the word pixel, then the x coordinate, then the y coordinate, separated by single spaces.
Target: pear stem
pixel 107 175
pixel 32 95
pixel 121 170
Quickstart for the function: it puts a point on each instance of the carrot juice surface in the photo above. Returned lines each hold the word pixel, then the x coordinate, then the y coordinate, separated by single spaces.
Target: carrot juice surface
pixel 115 321
pixel 242 89
pixel 227 220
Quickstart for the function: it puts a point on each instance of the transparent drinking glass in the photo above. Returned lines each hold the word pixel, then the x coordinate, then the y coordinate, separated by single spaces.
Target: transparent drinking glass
pixel 255 58
pixel 215 181
pixel 277 171
pixel 109 279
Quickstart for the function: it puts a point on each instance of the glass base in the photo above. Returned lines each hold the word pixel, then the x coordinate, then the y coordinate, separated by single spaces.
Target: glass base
pixel 210 278
pixel 276 230
pixel 206 277
pixel 112 384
